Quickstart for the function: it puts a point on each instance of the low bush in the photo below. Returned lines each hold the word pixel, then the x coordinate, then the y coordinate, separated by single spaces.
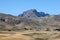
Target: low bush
pixel 41 38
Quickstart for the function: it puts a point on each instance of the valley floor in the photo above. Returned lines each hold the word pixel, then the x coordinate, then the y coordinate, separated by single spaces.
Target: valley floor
pixel 29 35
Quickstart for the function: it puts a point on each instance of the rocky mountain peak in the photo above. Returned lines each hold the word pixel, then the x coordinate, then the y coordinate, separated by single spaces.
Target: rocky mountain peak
pixel 33 13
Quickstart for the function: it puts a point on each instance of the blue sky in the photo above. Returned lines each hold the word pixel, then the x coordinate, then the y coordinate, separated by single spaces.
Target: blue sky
pixel 16 7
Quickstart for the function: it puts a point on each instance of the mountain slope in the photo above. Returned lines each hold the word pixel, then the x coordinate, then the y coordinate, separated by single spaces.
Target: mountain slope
pixel 14 22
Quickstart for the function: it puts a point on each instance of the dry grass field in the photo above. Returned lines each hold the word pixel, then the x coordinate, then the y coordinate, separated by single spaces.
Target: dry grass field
pixel 29 35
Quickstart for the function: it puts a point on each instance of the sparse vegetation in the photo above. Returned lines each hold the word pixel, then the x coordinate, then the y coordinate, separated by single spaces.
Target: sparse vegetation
pixel 41 38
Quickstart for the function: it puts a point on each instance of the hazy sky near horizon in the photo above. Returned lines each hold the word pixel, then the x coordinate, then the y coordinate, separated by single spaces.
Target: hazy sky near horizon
pixel 16 7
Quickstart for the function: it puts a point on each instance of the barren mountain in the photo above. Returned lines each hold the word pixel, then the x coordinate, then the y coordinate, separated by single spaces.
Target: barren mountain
pixel 30 20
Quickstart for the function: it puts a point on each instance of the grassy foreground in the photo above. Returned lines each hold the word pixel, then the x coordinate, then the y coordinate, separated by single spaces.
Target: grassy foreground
pixel 29 35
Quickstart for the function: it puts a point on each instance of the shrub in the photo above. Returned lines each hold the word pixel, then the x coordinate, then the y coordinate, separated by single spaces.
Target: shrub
pixel 41 38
